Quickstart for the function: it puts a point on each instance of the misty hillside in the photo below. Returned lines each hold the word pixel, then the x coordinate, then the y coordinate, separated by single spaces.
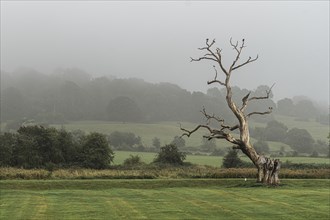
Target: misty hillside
pixel 72 95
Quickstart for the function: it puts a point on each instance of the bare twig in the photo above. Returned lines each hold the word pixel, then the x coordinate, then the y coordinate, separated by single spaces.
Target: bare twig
pixel 211 55
pixel 215 80
pixel 210 117
pixel 239 51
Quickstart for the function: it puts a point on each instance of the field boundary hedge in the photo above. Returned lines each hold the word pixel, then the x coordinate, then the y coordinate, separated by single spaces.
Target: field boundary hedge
pixel 157 173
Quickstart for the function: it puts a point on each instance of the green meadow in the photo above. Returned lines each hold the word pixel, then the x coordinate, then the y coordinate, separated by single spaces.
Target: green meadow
pixel 163 199
pixel 215 161
pixel 165 131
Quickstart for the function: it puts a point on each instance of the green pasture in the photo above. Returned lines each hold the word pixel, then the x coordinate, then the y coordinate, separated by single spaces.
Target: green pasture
pixel 215 161
pixel 163 199
pixel 166 131
pixel 317 130
pixel 148 157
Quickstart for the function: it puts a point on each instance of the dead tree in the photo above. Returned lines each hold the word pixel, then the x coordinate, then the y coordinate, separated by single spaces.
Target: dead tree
pixel 267 168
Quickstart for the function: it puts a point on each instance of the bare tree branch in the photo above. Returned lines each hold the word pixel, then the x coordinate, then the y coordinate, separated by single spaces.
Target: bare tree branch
pixel 260 113
pixel 246 98
pixel 230 128
pixel 246 62
pixel 214 133
pixel 211 55
pixel 210 117
pixel 215 80
pixel 188 133
pixel 218 52
pixel 238 50
pixel 219 120
pixel 235 45
pixel 263 97
pixel 202 58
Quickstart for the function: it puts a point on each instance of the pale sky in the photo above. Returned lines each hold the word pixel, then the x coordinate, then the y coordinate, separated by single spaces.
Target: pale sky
pixel 155 40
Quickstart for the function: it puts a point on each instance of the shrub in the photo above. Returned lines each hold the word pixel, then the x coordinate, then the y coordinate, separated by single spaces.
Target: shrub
pixel 231 159
pixel 169 154
pixel 124 140
pixel 133 161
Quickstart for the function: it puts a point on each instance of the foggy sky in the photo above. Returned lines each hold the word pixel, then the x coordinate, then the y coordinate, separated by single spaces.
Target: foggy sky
pixel 155 40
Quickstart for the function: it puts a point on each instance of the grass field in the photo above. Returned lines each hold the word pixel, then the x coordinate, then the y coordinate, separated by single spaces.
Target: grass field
pixel 216 161
pixel 163 199
pixel 317 130
pixel 165 131
pixel 148 157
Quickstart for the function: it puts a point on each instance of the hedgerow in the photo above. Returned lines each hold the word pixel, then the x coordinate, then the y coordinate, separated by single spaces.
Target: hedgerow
pixel 154 172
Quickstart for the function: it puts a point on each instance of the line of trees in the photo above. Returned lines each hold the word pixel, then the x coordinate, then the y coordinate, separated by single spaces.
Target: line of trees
pixel 49 148
pixel 302 109
pixel 299 139
pixel 41 147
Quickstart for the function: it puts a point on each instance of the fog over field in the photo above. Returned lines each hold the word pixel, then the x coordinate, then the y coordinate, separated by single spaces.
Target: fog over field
pixel 155 40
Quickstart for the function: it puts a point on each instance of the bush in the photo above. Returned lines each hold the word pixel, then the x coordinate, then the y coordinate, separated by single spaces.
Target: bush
pixel 231 159
pixel 133 161
pixel 124 140
pixel 96 152
pixel 169 154
pixel 314 154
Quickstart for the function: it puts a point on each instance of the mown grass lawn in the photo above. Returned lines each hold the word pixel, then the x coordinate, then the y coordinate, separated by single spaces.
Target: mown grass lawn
pixel 163 199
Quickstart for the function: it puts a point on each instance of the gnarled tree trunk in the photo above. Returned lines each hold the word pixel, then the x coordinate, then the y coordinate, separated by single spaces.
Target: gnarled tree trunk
pixel 268 169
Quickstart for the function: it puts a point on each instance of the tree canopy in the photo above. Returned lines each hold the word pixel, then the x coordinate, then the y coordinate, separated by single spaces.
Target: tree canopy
pixel 170 154
pixel 42 147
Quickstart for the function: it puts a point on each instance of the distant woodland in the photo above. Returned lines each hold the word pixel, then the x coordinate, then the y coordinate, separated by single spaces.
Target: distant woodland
pixel 29 97
pixel 72 94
